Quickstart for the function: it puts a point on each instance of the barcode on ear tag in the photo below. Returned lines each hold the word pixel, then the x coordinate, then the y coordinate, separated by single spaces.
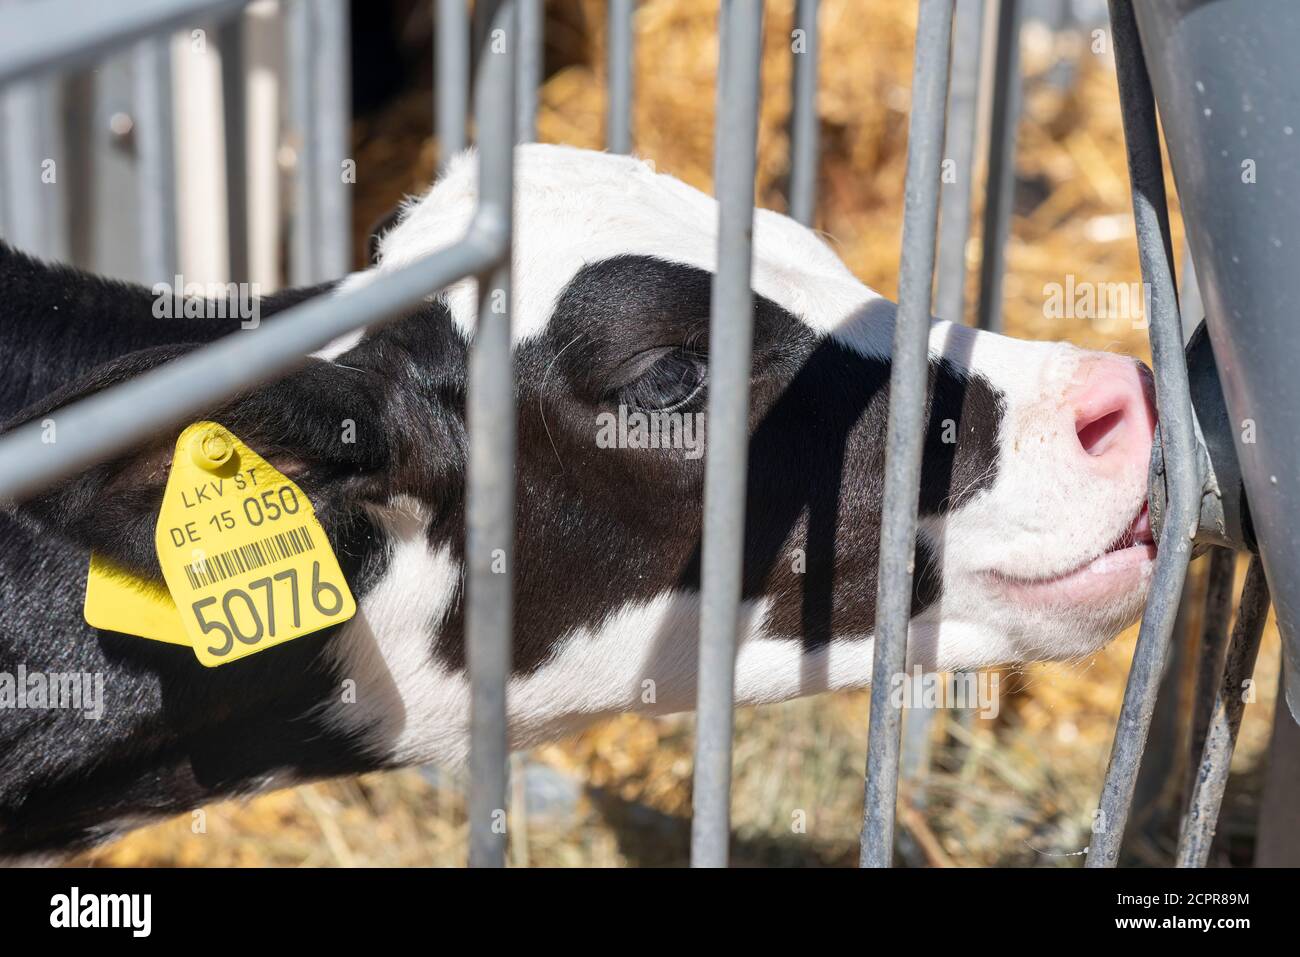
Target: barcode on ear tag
pixel 241 550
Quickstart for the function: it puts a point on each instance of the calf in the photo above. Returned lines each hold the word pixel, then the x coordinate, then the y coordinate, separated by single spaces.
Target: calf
pixel 1033 542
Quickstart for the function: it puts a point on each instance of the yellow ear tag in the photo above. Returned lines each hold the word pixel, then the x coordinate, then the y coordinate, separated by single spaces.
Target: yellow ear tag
pixel 247 563
pixel 120 600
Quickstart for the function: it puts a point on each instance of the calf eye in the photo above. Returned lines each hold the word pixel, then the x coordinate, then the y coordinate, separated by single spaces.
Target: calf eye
pixel 671 380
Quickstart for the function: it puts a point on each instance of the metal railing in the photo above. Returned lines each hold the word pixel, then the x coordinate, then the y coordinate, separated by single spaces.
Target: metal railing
pixel 903 442
pixel 62 34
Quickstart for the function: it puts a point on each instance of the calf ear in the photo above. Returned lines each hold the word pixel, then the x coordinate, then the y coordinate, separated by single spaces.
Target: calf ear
pixel 322 426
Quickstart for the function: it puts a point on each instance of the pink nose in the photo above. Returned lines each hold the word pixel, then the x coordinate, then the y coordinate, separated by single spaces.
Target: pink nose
pixel 1114 412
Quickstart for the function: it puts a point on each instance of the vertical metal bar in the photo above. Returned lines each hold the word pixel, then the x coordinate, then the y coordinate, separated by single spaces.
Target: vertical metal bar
pixel 263 125
pixel 804 120
pixel 1156 795
pixel 618 120
pixel 100 173
pixel 1190 304
pixel 914 763
pixel 321 246
pixel 4 171
pixel 1244 240
pixel 532 21
pixel 152 92
pixel 490 505
pixel 1001 167
pixel 1277 840
pixel 1213 646
pixel 1155 254
pixel 1207 795
pixel 230 44
pixel 331 75
pixel 731 323
pixel 203 247
pixel 907 387
pixel 517 771
pixel 36 167
pixel 451 39
pixel 959 152
pixel 303 259
pixel 1168 767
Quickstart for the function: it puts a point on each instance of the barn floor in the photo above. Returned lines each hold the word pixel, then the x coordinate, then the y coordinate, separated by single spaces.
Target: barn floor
pixel 1018 790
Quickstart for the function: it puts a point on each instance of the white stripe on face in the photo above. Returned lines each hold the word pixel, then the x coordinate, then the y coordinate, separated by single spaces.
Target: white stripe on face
pixel 574 207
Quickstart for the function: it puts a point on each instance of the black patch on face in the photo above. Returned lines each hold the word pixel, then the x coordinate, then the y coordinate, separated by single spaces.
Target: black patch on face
pixel 598 528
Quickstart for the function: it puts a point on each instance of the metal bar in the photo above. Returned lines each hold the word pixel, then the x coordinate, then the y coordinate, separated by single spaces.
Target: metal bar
pixel 4 170
pixel 1243 229
pixel 1190 304
pixel 1174 745
pixel 907 387
pixel 1277 837
pixel 65 34
pixel 804 120
pixel 37 168
pixel 1157 797
pixel 1169 761
pixel 959 152
pixel 234 110
pixel 1207 796
pixel 618 120
pixel 518 772
pixel 1213 645
pixel 304 262
pixel 914 762
pixel 112 421
pixel 490 497
pixel 532 46
pixel 1001 166
pixel 451 39
pixel 203 252
pixel 152 92
pixel 1155 254
pixel 321 240
pixel 331 146
pixel 265 99
pixel 731 323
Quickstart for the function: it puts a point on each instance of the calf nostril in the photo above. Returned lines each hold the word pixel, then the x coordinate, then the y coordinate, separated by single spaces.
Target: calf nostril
pixel 1098 434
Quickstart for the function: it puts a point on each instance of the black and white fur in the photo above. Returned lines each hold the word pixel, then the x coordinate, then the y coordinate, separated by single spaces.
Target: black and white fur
pixel 612 267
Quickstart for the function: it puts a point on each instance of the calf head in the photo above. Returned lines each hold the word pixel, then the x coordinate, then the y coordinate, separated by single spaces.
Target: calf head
pixel 1033 542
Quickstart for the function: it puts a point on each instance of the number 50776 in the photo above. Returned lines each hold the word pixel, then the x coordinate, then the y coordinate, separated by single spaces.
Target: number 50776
pixel 248 619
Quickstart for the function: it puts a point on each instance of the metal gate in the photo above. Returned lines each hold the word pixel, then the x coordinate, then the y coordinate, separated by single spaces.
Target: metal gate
pixel 1196 478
